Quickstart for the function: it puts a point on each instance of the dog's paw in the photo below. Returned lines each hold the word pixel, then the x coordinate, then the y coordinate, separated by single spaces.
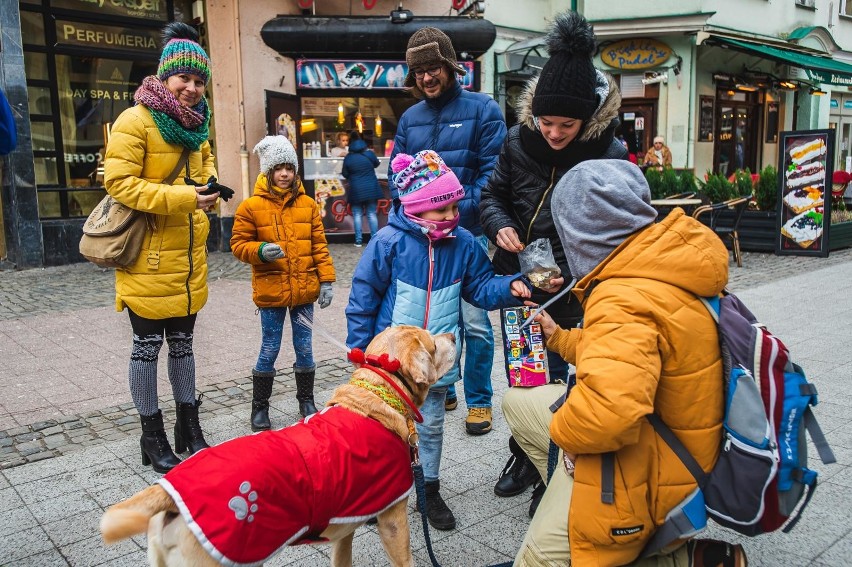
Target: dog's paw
pixel 243 504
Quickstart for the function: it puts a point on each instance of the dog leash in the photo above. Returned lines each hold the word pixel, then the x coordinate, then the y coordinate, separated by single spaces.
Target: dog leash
pixel 420 489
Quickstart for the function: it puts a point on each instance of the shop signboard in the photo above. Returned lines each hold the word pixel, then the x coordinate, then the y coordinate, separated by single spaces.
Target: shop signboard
pixel 804 206
pixel 147 9
pixel 832 78
pixel 86 34
pixel 372 75
pixel 635 54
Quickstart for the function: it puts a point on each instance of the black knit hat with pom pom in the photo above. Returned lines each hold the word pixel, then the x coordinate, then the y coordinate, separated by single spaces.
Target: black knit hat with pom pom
pixel 566 86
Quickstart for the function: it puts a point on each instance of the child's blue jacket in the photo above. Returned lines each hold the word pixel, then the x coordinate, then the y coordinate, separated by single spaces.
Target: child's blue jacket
pixel 403 278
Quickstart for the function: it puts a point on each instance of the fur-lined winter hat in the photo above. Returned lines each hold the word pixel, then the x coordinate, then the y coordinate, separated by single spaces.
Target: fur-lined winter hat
pixel 566 86
pixel 275 150
pixel 424 182
pixel 182 53
pixel 430 46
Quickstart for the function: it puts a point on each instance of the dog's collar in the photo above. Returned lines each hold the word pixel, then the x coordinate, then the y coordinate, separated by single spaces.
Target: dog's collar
pixel 378 365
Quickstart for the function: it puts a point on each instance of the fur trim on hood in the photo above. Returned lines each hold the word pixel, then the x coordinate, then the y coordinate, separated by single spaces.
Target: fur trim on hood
pixel 595 126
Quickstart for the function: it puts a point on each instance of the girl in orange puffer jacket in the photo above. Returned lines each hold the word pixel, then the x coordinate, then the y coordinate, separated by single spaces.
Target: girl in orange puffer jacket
pixel 279 232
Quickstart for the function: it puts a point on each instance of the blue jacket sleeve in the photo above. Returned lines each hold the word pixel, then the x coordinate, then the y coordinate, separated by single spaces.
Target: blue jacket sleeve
pixel 481 287
pixel 8 132
pixel 399 147
pixel 370 283
pixel 492 132
pixel 371 155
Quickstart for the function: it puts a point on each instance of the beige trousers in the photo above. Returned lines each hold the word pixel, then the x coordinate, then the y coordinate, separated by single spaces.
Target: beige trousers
pixel 527 411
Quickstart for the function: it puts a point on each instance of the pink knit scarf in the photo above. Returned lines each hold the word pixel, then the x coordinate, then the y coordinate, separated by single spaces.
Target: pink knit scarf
pixel 154 94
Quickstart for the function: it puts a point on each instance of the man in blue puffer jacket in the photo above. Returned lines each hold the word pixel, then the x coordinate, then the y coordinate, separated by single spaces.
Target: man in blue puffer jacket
pixel 467 129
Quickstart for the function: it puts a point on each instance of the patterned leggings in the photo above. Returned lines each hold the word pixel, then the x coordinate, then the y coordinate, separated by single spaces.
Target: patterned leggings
pixel 148 335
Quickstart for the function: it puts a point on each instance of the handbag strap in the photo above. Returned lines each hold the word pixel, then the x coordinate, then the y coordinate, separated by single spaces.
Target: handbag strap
pixel 156 231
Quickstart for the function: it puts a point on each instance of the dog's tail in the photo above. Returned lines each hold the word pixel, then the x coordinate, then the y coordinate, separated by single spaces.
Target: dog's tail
pixel 131 517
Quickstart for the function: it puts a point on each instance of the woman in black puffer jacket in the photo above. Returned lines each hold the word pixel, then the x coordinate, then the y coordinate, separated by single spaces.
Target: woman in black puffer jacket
pixel 566 116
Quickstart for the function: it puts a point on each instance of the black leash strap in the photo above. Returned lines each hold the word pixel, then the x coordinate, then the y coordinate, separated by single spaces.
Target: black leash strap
pixel 420 489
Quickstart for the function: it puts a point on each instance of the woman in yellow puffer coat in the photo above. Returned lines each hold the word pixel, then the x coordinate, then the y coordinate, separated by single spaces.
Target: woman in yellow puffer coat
pixel 167 285
pixel 279 232
pixel 647 345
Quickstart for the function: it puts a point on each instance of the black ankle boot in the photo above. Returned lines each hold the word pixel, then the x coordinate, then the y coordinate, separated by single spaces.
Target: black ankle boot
pixel 188 434
pixel 305 391
pixel 156 450
pixel 438 513
pixel 518 474
pixel 261 391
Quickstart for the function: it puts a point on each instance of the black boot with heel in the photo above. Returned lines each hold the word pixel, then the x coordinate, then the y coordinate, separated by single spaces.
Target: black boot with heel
pixel 305 391
pixel 261 392
pixel 188 434
pixel 518 474
pixel 156 450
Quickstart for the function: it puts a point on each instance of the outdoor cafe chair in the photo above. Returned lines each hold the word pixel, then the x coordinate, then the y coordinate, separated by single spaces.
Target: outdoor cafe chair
pixel 730 230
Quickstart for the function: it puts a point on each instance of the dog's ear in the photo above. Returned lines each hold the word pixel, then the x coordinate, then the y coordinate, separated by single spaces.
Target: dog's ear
pixel 445 353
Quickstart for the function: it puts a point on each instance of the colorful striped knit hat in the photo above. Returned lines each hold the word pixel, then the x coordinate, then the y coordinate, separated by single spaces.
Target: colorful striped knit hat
pixel 182 53
pixel 424 182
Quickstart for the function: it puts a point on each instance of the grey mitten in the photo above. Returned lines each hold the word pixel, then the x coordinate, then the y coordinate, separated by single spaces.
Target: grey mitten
pixel 326 295
pixel 270 251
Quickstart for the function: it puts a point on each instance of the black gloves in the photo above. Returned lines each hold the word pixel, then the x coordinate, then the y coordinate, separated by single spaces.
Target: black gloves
pixel 225 193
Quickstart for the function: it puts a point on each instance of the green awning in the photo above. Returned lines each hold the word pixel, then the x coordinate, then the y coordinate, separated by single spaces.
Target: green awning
pixel 819 69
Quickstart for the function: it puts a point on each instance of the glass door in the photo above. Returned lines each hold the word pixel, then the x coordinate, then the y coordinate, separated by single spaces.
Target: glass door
pixel 736 135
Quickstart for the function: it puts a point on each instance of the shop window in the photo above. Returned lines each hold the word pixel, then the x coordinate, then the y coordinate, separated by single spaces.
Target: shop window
pixel 77 88
pixel 36 66
pixel 32 28
pixel 806 3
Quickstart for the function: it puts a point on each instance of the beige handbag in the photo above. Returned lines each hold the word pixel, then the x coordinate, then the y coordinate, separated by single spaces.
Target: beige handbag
pixel 113 234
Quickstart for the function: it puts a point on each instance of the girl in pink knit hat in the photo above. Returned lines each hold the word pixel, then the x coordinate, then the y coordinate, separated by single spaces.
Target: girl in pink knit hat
pixel 415 271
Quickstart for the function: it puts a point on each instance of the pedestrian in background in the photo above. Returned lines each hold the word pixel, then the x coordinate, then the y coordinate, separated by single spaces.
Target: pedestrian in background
pixel 423 257
pixel 660 156
pixel 359 168
pixel 567 115
pixel 466 129
pixel 278 230
pixel 167 285
pixel 341 145
pixel 8 131
pixel 648 345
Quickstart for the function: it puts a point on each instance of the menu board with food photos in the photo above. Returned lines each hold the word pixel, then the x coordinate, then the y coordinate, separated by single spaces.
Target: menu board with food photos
pixel 804 171
pixel 526 356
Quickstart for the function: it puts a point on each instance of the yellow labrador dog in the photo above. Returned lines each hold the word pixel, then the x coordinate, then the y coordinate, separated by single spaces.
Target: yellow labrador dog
pixel 241 502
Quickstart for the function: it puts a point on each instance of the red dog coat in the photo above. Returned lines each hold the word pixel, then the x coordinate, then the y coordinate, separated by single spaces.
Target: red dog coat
pixel 249 497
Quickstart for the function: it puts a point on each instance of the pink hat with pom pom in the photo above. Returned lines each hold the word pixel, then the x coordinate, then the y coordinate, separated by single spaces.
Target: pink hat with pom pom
pixel 424 182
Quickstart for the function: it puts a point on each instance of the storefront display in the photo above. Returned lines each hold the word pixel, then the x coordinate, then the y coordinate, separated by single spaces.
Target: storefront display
pixel 341 96
pixel 804 212
pixel 80 76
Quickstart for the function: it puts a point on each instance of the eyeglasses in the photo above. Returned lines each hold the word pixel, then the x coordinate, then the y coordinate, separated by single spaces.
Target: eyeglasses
pixel 432 72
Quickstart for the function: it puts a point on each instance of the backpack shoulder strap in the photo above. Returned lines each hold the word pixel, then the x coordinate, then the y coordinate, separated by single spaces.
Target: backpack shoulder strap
pixel 667 435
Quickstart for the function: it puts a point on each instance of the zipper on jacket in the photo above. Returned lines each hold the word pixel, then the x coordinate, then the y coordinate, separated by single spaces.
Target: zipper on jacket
pixel 429 284
pixel 275 227
pixel 189 274
pixel 541 204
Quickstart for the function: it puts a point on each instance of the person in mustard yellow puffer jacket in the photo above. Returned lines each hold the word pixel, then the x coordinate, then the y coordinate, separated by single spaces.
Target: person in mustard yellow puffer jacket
pixel 647 345
pixel 279 232
pixel 167 285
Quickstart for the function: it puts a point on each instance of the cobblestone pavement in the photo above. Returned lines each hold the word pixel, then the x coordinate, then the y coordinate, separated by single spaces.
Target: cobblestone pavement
pixel 75 287
pixel 79 286
pixel 69 433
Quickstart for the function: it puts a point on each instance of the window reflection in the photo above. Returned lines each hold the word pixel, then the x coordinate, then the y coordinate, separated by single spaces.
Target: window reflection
pixel 32 28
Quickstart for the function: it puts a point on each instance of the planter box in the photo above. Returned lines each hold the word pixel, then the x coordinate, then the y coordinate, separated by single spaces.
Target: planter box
pixel 757 231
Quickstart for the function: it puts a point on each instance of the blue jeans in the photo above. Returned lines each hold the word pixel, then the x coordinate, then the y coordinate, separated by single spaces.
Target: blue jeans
pixel 478 340
pixel 272 325
pixel 431 433
pixel 372 218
